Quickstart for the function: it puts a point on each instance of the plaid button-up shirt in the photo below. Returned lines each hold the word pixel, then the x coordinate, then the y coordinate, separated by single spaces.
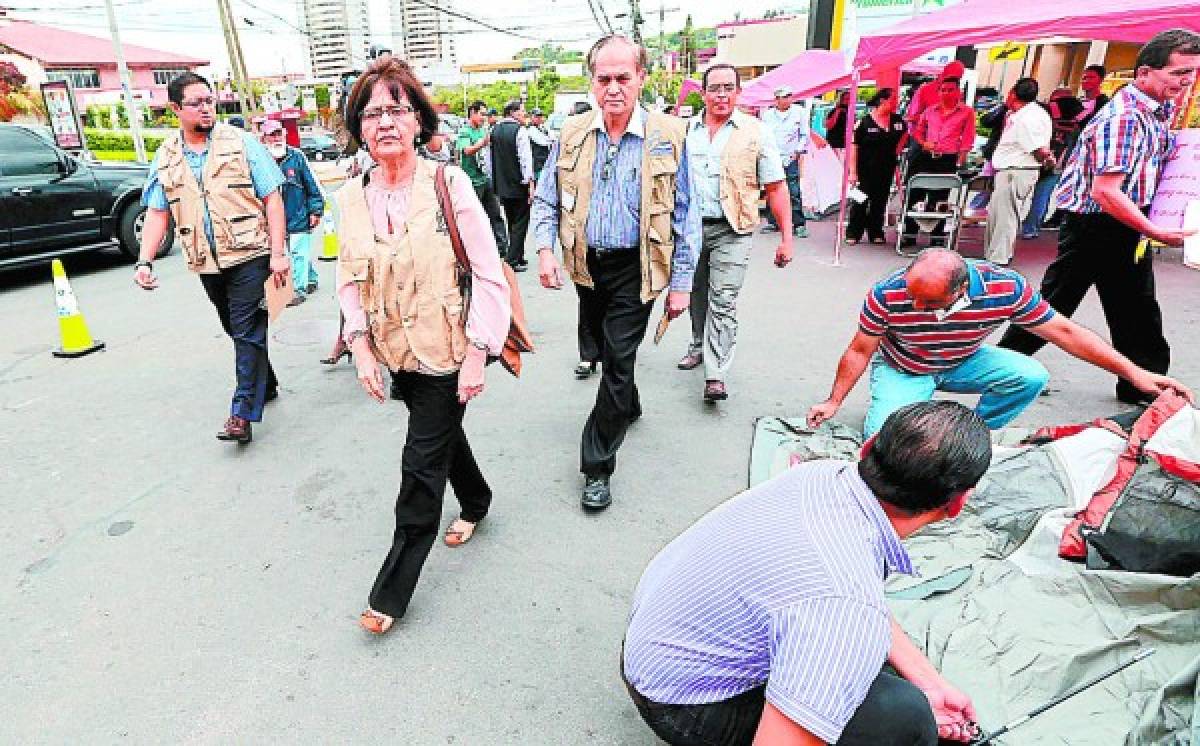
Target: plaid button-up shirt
pixel 1131 135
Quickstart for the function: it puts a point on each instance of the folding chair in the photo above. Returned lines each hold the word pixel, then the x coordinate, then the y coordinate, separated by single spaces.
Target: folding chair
pixel 927 217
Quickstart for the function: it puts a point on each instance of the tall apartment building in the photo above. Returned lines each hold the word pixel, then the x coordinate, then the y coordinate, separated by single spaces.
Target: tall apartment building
pixel 422 35
pixel 337 35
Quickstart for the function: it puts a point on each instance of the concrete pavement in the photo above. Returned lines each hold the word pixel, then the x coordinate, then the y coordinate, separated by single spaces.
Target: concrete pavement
pixel 160 585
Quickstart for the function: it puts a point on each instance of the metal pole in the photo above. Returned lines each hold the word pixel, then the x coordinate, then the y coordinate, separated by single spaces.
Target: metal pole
pixel 131 107
pixel 234 73
pixel 851 110
pixel 241 58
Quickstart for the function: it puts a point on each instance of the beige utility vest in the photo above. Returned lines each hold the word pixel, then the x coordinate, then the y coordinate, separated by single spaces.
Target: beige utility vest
pixel 739 172
pixel 239 223
pixel 407 282
pixel 662 150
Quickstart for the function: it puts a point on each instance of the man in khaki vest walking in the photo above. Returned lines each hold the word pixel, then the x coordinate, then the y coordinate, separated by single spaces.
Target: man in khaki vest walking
pixel 641 238
pixel 732 157
pixel 222 188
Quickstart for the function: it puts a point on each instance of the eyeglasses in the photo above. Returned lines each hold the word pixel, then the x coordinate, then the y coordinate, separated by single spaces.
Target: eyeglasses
pixel 375 114
pixel 722 88
pixel 200 103
pixel 609 157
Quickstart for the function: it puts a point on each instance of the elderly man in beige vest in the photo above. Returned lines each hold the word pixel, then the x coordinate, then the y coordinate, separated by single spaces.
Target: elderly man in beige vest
pixel 221 186
pixel 732 158
pixel 615 192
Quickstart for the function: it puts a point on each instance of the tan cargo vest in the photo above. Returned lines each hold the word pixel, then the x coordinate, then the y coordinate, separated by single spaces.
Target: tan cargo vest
pixel 739 173
pixel 407 282
pixel 239 221
pixel 662 150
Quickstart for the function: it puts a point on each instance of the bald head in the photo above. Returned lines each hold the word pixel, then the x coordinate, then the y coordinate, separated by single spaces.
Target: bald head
pixel 936 278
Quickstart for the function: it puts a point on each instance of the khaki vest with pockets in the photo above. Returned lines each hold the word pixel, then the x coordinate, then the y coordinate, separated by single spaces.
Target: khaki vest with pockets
pixel 739 173
pixel 662 150
pixel 239 221
pixel 407 282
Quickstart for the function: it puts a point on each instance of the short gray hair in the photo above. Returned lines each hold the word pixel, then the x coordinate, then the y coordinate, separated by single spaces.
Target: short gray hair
pixel 643 57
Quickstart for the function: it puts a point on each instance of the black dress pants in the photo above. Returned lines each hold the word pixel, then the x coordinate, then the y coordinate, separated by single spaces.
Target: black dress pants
pixel 925 163
pixel 588 332
pixel 868 216
pixel 614 307
pixel 491 206
pixel 237 294
pixel 894 713
pixel 435 450
pixel 1097 249
pixel 516 212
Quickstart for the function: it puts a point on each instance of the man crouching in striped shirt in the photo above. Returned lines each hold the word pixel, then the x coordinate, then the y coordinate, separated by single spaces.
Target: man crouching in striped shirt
pixel 740 635
pixel 922 330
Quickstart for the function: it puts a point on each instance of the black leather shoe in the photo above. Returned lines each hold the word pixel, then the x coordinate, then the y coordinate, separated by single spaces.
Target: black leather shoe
pixel 272 395
pixel 596 494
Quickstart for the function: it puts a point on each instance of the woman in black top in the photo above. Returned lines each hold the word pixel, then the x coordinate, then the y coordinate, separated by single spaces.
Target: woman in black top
pixel 835 124
pixel 878 139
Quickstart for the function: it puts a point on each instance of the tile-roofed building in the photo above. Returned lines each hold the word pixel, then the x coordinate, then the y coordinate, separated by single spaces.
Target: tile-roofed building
pixel 44 53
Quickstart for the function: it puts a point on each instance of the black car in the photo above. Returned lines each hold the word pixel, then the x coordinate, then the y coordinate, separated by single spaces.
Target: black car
pixel 53 203
pixel 320 147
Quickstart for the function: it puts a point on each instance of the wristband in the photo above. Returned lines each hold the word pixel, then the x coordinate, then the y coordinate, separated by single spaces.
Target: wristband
pixel 479 345
pixel 355 335
pixel 143 263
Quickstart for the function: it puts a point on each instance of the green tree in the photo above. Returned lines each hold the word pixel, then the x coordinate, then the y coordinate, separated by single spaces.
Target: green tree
pixel 322 95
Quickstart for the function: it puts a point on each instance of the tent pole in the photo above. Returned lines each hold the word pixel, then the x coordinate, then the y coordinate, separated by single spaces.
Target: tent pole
pixel 851 110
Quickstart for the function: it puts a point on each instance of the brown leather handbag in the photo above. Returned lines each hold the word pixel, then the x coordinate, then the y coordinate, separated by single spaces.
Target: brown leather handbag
pixel 518 340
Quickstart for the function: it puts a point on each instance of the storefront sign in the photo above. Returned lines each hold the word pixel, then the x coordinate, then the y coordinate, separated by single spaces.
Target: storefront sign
pixel 64 121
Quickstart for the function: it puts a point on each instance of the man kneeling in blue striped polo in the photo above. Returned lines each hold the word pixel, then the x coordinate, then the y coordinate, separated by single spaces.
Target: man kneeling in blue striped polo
pixel 765 622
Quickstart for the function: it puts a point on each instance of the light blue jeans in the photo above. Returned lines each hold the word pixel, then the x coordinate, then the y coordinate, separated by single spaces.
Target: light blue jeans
pixel 1007 380
pixel 300 251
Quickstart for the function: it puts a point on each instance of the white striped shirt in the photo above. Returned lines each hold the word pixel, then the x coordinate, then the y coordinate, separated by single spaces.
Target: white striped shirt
pixel 781 585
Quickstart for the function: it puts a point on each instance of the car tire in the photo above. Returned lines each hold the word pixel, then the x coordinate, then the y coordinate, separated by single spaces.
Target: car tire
pixel 129 232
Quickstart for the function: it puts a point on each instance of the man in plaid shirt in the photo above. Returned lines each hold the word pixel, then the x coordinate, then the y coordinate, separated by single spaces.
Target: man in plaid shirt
pixel 1106 189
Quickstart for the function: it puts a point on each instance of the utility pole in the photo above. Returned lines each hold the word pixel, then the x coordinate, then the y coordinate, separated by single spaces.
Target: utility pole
pixel 235 72
pixel 241 58
pixel 635 19
pixel 131 108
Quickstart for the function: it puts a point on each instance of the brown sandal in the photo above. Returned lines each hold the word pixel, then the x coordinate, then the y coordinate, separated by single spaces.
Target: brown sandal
pixel 375 622
pixel 456 537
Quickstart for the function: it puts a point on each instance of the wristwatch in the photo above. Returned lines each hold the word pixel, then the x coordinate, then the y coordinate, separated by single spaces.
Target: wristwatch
pixel 143 263
pixel 355 335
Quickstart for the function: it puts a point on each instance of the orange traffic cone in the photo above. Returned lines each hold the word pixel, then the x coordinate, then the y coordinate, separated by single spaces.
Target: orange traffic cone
pixel 76 340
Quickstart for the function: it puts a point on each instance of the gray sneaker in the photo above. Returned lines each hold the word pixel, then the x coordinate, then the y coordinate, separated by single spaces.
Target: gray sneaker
pixel 800 231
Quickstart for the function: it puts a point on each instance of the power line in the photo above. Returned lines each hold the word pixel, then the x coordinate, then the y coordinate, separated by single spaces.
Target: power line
pixel 596 17
pixel 604 13
pixel 492 27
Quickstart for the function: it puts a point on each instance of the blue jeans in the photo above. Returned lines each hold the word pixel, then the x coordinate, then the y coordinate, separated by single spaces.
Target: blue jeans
pixel 237 293
pixel 1041 203
pixel 300 251
pixel 792 172
pixel 1007 380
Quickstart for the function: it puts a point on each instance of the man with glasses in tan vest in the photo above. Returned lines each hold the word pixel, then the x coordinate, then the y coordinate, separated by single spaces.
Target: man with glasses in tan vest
pixel 616 194
pixel 732 157
pixel 222 188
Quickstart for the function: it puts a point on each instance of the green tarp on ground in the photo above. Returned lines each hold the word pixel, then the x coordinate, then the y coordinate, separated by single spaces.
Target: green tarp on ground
pixel 1012 624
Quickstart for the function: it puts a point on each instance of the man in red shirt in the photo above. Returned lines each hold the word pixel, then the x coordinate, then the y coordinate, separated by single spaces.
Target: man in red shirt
pixel 945 135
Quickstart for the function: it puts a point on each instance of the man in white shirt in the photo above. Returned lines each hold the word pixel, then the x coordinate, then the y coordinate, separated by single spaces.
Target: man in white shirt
pixel 1023 150
pixel 789 123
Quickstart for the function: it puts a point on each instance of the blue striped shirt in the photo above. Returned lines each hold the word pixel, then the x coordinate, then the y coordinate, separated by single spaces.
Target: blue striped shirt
pixel 781 585
pixel 614 215
pixel 1130 135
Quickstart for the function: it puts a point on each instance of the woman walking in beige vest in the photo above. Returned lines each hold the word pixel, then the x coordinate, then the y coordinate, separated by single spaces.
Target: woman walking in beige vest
pixel 398 285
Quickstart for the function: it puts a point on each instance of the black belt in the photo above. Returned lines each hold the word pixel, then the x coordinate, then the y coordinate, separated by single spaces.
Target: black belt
pixel 713 221
pixel 601 253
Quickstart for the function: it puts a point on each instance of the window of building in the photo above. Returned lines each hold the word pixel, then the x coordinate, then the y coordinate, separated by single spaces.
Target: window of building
pixel 164 76
pixel 78 77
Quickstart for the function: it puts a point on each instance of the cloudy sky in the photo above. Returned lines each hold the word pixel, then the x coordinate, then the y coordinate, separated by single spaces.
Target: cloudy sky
pixel 272 43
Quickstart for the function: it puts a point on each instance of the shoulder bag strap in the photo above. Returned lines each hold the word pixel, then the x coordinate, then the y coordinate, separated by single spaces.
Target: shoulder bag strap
pixel 460 253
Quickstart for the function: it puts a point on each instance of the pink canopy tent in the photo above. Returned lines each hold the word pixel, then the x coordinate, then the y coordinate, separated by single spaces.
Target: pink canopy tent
pixel 983 21
pixel 813 72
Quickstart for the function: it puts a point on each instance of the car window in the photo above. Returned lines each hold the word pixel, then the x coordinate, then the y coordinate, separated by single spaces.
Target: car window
pixel 25 154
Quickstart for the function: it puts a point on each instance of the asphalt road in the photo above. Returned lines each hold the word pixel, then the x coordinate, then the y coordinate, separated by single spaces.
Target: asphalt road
pixel 158 585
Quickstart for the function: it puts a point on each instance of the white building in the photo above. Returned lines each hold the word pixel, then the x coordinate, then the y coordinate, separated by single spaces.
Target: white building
pixel 423 35
pixel 337 35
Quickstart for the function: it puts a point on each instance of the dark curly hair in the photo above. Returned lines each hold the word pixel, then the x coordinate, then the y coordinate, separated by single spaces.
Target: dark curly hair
pixel 403 84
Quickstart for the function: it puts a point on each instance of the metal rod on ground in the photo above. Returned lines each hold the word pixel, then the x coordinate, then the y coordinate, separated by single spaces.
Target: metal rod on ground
pixel 132 111
pixel 986 738
pixel 851 110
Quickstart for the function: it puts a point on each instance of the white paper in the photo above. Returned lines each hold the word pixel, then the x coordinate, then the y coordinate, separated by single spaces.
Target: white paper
pixel 1180 182
pixel 1191 244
